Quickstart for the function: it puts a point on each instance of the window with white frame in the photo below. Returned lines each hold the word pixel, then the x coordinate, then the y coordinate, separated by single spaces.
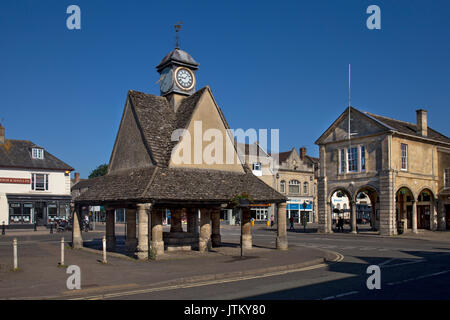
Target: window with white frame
pixel 404 156
pixel 37 153
pixel 294 187
pixel 447 178
pixel 257 166
pixel 363 158
pixel 283 186
pixel 39 182
pixel 352 155
pixel 343 170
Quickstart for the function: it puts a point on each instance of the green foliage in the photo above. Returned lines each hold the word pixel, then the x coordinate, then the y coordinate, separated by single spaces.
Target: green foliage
pixel 234 202
pixel 101 170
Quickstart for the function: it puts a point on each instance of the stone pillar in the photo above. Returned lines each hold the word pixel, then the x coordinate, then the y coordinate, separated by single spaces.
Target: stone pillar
pixel 442 223
pixel 204 240
pixel 175 220
pixel 131 241
pixel 414 217
pixel 157 243
pixel 324 215
pixel 77 239
pixel 142 247
pixel 388 224
pixel 282 241
pixel 215 219
pixel 192 220
pixel 246 229
pixel 110 230
pixel 434 215
pixel 353 204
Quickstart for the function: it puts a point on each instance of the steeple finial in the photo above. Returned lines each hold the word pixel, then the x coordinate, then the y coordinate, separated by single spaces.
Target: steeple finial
pixel 178 27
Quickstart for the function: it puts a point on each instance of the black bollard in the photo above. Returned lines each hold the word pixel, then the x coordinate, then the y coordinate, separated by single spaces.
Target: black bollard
pixel 51 227
pixel 3 228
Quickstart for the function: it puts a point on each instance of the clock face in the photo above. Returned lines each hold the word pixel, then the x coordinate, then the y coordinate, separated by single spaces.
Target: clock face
pixel 184 78
pixel 166 80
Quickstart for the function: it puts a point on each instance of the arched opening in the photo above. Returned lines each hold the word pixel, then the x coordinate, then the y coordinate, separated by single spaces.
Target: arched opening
pixel 425 209
pixel 404 203
pixel 367 208
pixel 341 210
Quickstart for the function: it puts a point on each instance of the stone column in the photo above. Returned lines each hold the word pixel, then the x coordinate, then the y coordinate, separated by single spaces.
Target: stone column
pixel 414 217
pixel 110 230
pixel 434 215
pixel 246 228
pixel 131 241
pixel 282 241
pixel 157 243
pixel 204 241
pixel 442 224
pixel 215 219
pixel 192 220
pixel 77 239
pixel 175 220
pixel 353 204
pixel 142 247
pixel 387 223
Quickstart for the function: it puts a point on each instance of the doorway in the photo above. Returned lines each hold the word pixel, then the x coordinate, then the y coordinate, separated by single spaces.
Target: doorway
pixel 447 215
pixel 423 217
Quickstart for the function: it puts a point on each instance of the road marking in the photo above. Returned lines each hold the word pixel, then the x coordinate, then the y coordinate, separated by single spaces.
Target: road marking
pixel 341 295
pixel 404 263
pixel 418 278
pixel 386 262
pixel 199 284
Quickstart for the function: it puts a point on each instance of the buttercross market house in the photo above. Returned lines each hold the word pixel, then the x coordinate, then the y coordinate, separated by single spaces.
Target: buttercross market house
pixel 145 178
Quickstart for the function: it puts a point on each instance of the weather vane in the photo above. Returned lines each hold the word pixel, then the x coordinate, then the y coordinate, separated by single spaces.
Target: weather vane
pixel 178 27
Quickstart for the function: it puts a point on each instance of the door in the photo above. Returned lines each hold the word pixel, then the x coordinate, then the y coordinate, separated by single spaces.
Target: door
pixel 423 217
pixel 447 214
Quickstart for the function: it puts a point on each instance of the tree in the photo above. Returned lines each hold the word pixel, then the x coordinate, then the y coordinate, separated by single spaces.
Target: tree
pixel 101 170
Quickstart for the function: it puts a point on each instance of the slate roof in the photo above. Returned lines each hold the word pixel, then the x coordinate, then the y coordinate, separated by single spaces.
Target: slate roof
pixel 17 154
pixel 180 56
pixel 409 128
pixel 156 121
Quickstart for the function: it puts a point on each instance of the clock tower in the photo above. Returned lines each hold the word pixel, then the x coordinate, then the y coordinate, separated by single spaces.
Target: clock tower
pixel 177 80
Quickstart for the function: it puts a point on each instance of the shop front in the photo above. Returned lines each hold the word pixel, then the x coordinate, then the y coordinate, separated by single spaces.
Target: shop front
pixel 26 210
pixel 296 209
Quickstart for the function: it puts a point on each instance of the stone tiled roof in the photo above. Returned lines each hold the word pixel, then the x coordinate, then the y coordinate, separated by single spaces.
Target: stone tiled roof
pixel 156 121
pixel 409 128
pixel 17 154
pixel 165 185
pixel 179 56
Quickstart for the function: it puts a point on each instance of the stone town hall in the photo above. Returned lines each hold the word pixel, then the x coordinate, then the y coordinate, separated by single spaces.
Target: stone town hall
pixel 144 175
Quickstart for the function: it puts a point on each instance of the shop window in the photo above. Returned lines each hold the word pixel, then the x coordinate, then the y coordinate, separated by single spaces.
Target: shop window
pixel 52 212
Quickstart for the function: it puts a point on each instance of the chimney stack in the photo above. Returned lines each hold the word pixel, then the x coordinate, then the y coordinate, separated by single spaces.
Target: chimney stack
pixel 77 177
pixel 302 153
pixel 422 127
pixel 2 134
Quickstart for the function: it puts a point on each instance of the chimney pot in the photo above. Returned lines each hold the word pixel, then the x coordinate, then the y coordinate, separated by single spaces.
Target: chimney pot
pixel 77 177
pixel 422 123
pixel 302 153
pixel 2 134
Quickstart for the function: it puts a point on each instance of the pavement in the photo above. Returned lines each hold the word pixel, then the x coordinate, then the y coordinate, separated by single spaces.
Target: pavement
pixel 41 277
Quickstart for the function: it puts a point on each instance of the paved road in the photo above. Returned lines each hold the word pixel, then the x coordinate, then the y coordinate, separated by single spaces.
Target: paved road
pixel 410 269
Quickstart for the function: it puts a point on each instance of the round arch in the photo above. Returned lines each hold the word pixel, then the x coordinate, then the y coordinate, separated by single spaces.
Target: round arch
pixel 342 215
pixel 426 213
pixel 405 206
pixel 365 213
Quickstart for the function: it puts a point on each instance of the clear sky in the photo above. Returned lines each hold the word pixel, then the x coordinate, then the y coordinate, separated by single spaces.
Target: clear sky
pixel 270 64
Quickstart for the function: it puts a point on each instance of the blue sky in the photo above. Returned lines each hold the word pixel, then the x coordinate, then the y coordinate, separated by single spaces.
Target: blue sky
pixel 270 64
